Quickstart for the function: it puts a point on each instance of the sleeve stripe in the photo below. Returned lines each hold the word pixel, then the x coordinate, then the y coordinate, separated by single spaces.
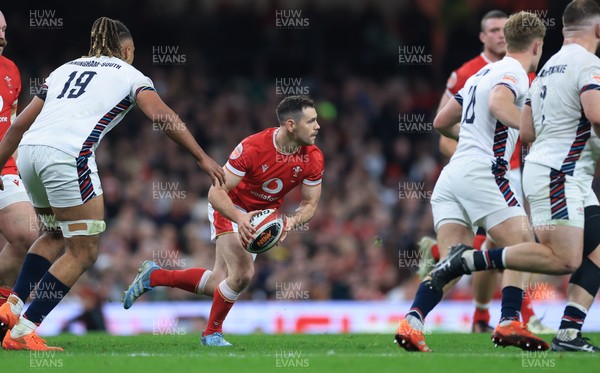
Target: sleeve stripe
pixel 459 98
pixel 509 87
pixel 528 102
pixel 234 170
pixel 144 88
pixel 590 87
pixel 43 92
pixel 311 182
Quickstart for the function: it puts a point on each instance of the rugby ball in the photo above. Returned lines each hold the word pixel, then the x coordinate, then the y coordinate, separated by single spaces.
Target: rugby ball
pixel 269 228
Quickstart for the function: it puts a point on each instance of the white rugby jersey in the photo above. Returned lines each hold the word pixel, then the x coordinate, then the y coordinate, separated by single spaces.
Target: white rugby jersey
pixel 84 100
pixel 562 131
pixel 481 134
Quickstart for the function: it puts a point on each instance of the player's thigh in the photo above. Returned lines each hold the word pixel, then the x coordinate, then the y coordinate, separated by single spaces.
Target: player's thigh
pixel 18 224
pixel 566 242
pixel 237 260
pixel 512 231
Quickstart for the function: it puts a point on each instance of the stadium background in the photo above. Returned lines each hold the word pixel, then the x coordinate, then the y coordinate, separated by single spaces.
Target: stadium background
pixel 376 70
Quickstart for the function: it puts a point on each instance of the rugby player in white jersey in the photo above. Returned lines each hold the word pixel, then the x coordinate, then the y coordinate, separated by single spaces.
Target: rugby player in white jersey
pixel 557 176
pixel 473 189
pixel 58 133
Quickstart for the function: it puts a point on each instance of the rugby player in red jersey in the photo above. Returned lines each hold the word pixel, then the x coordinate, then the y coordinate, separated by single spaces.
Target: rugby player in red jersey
pixel 484 283
pixel 18 221
pixel 261 170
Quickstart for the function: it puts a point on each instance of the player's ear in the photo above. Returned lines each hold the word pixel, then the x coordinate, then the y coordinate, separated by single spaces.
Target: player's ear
pixel 482 37
pixel 537 47
pixel 290 124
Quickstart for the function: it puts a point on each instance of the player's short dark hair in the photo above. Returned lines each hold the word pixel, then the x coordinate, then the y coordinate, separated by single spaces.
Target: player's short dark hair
pixel 579 11
pixel 292 106
pixel 492 14
pixel 122 31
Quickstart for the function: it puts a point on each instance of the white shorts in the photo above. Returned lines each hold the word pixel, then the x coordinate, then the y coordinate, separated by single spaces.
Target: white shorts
pixel 14 191
pixel 54 178
pixel 468 193
pixel 516 183
pixel 554 197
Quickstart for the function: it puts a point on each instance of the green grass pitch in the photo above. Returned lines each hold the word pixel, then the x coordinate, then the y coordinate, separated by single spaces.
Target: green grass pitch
pixel 372 353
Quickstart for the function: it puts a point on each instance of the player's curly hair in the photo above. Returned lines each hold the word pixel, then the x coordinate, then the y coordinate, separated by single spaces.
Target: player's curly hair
pixel 106 37
pixel 292 106
pixel 521 30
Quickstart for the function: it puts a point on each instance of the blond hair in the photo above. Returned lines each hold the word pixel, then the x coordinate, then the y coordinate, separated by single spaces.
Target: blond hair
pixel 521 30
pixel 106 37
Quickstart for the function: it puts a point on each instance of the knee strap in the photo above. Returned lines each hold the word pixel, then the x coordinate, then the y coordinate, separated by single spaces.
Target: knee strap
pixel 591 231
pixel 587 276
pixel 82 227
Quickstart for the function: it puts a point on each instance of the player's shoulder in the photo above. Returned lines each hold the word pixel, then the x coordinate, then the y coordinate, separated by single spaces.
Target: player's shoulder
pixel 472 66
pixel 8 65
pixel 459 76
pixel 261 139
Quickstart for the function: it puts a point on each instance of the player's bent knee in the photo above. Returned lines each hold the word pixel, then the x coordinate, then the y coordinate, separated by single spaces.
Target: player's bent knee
pixel 242 278
pixel 85 227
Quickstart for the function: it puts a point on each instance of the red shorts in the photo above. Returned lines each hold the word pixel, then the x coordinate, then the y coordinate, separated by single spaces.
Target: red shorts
pixel 219 224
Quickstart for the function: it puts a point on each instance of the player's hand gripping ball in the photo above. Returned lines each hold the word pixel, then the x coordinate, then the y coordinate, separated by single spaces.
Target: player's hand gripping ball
pixel 269 227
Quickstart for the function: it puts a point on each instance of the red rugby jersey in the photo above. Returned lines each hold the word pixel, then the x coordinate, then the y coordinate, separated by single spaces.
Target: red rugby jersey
pixel 10 87
pixel 268 174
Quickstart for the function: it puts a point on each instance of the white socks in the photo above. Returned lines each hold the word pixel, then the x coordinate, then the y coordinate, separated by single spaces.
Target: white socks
pixel 22 328
pixel 202 283
pixel 227 292
pixel 414 322
pixel 16 304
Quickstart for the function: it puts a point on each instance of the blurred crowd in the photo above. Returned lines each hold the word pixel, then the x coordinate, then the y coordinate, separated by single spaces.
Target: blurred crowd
pixel 381 153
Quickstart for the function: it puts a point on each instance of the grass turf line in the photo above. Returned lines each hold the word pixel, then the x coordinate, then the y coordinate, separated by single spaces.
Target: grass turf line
pixel 374 353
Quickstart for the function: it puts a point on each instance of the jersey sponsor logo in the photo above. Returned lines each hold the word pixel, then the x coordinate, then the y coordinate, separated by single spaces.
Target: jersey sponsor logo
pixel 16 181
pixel 3 119
pixel 509 78
pixel 265 167
pixel 237 152
pixel 273 186
pixel 266 197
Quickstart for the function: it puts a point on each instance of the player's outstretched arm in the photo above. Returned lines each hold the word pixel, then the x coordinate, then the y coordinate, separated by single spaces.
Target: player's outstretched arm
pixel 527 130
pixel 446 122
pixel 502 106
pixel 591 109
pixel 15 132
pixel 220 201
pixel 155 109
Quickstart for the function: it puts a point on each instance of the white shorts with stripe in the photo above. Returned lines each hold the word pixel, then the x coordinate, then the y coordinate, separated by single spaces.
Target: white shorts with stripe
pixel 54 178
pixel 554 197
pixel 467 192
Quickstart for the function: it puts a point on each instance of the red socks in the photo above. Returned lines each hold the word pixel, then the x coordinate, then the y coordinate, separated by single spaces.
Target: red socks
pixel 481 315
pixel 435 252
pixel 186 279
pixel 223 300
pixel 4 294
pixel 526 309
